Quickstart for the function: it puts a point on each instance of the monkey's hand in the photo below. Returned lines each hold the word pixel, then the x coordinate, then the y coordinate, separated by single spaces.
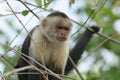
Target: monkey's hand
pixel 94 29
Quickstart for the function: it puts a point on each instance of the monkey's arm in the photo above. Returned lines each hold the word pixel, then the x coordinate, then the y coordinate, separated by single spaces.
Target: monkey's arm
pixel 79 48
pixel 25 50
pixel 21 61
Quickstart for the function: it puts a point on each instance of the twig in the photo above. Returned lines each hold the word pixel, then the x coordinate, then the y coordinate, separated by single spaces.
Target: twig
pixel 26 31
pixel 102 35
pixel 90 15
pixel 69 77
pixel 30 58
pixel 76 68
pixel 16 70
pixel 100 44
pixel 29 9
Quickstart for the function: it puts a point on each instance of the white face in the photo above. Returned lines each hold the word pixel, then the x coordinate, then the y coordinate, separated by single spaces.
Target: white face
pixel 57 29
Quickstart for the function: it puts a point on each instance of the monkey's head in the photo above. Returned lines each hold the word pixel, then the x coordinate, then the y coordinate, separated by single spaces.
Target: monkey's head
pixel 56 27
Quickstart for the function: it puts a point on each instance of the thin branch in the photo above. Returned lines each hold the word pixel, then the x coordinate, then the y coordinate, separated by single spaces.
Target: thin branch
pixel 36 5
pixel 99 45
pixel 20 31
pixel 16 70
pixel 42 60
pixel 30 58
pixel 90 15
pixel 76 68
pixel 101 34
pixel 69 77
pixel 99 9
pixel 16 16
pixel 29 9
pixel 84 22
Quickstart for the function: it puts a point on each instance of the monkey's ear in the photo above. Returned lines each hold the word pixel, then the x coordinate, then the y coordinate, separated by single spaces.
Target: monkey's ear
pixel 44 22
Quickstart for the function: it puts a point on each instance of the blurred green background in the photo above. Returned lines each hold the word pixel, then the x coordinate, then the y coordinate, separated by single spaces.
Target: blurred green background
pixel 101 59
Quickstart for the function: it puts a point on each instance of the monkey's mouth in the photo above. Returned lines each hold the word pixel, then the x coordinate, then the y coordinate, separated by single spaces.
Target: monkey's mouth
pixel 61 38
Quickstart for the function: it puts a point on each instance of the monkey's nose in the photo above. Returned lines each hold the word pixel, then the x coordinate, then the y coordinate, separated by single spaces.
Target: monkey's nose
pixel 63 34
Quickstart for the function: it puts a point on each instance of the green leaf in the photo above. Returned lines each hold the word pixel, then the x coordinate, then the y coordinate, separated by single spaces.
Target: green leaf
pixel 38 2
pixel 25 12
pixel 50 0
pixel 45 4
pixel 72 1
pixel 1 15
pixel 1 32
pixel 9 22
pixel 113 74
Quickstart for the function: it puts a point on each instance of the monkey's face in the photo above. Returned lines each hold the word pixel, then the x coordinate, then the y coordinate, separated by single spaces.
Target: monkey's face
pixel 62 33
pixel 57 29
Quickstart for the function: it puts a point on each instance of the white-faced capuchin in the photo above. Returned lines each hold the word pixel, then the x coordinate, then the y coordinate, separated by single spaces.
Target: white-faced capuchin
pixel 47 43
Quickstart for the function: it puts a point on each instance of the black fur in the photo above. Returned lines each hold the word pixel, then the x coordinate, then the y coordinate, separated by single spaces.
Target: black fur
pixel 22 62
pixel 79 48
pixel 58 14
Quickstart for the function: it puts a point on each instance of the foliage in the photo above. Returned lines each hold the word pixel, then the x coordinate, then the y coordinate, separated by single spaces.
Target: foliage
pixel 101 12
pixel 25 12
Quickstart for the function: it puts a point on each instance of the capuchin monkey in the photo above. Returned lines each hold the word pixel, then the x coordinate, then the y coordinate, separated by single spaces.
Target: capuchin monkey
pixel 47 43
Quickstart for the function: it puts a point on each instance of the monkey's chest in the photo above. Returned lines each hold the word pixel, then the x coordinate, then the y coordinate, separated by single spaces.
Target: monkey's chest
pixel 55 58
pixel 50 56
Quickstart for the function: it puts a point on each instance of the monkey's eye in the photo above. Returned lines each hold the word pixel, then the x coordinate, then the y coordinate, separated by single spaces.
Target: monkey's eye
pixel 59 27
pixel 66 28
pixel 62 27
